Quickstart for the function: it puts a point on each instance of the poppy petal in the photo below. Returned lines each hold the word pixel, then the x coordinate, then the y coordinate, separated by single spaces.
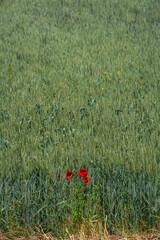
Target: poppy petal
pixel 83 172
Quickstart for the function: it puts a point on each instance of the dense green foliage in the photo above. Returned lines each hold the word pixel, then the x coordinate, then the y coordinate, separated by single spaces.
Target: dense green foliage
pixel 79 88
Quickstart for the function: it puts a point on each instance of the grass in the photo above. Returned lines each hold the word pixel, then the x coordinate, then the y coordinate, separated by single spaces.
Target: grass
pixel 79 87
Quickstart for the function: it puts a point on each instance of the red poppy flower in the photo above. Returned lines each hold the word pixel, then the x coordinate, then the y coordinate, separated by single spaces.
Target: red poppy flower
pixel 83 172
pixel 69 174
pixel 86 179
pixel 58 175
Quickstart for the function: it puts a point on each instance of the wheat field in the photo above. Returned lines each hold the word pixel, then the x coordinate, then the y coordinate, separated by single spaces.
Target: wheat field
pixel 79 89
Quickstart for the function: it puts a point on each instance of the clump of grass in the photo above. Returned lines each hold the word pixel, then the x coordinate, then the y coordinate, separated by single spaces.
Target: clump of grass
pixel 120 199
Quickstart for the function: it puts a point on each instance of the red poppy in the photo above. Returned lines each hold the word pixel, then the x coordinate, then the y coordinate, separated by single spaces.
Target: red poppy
pixel 86 179
pixel 69 174
pixel 83 172
pixel 58 175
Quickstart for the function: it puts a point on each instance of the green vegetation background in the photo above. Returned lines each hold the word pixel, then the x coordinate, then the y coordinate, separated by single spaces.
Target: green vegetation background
pixel 79 88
